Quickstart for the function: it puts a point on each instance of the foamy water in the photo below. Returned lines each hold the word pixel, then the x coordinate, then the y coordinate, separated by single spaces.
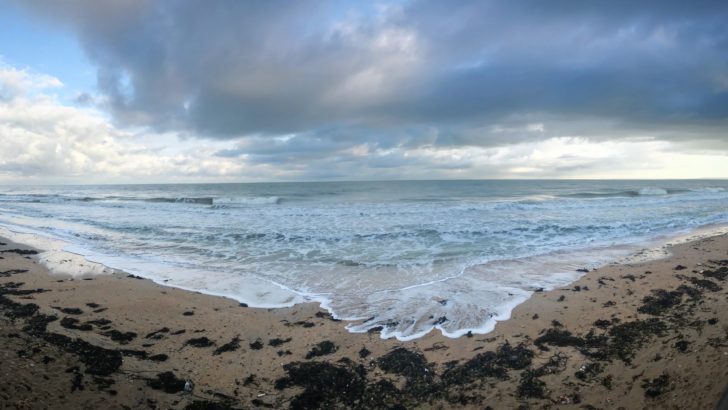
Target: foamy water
pixel 407 256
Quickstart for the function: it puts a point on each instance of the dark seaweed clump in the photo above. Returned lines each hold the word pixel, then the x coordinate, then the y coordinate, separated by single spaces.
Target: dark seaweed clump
pixel 200 342
pixel 682 346
pixel 620 341
pixel 708 285
pixel 157 334
pixel 72 311
pixel 656 386
pixel 208 405
pixel 167 382
pixel 490 364
pixel 660 301
pixel 558 337
pixel 121 337
pixel 721 273
pixel 325 385
pixel 98 361
pixel 20 251
pixel 72 323
pixel 230 346
pixel 321 349
pixel 277 342
pixel 588 371
pixel 531 386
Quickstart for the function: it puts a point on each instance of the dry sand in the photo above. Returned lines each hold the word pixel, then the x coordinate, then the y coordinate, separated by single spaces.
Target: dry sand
pixel 103 342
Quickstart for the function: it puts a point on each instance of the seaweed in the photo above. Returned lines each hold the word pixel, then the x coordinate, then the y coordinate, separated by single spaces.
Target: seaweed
pixel 199 342
pixel 656 386
pixel 167 382
pixel 257 345
pixel 72 323
pixel 620 341
pixel 159 357
pixel 326 315
pixel 720 273
pixel 208 405
pixel 481 366
pixel 660 301
pixel 624 339
pixel 682 346
pixel 157 334
pixel 364 352
pixel 530 386
pixel 325 385
pixel 15 310
pixel 321 349
pixel 555 364
pixel 121 337
pixel 602 323
pixel 8 273
pixel 98 361
pixel 303 324
pixel 382 395
pixel 708 285
pixel 277 341
pixel 692 292
pixel 70 311
pixel 518 357
pixel 588 371
pixel 230 346
pixel 21 251
pixel 558 337
pixel 404 362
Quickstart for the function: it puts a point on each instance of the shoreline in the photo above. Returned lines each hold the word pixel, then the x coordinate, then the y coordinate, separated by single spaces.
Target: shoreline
pixel 543 354
pixel 78 264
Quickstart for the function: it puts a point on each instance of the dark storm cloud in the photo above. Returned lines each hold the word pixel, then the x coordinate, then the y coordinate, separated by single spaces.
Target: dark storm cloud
pixel 341 74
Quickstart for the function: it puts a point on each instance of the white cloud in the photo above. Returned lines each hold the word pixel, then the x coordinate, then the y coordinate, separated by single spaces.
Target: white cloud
pixel 44 140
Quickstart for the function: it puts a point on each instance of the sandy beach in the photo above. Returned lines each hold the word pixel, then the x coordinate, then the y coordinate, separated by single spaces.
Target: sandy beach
pixel 646 335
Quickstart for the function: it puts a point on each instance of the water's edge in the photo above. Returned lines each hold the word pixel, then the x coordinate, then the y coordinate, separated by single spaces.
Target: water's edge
pixel 62 258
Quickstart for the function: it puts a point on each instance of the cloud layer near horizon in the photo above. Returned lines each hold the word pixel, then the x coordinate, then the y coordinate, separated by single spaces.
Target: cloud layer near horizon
pixel 327 89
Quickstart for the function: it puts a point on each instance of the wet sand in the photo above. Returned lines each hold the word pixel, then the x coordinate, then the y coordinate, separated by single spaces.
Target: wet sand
pixel 633 336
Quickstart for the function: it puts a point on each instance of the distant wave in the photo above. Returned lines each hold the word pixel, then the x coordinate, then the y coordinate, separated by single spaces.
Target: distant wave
pixel 646 191
pixel 222 202
pixel 261 200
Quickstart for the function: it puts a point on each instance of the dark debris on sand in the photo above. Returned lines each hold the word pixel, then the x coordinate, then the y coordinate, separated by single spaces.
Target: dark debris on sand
pixel 200 342
pixel 167 382
pixel 121 337
pixel 230 346
pixel 322 349
pixel 657 386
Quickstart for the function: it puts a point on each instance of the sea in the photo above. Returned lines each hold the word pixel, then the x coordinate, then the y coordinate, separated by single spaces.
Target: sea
pixel 404 256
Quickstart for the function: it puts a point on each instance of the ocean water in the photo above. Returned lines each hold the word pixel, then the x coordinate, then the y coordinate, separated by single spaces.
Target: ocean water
pixel 408 256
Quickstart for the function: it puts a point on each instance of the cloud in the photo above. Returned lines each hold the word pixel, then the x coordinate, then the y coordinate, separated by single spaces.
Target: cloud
pixel 412 89
pixel 47 141
pixel 227 69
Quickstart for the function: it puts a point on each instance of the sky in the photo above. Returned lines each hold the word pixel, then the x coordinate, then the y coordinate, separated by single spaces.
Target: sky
pixel 136 91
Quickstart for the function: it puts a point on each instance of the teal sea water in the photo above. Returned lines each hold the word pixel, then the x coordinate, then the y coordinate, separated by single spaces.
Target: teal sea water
pixel 409 256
